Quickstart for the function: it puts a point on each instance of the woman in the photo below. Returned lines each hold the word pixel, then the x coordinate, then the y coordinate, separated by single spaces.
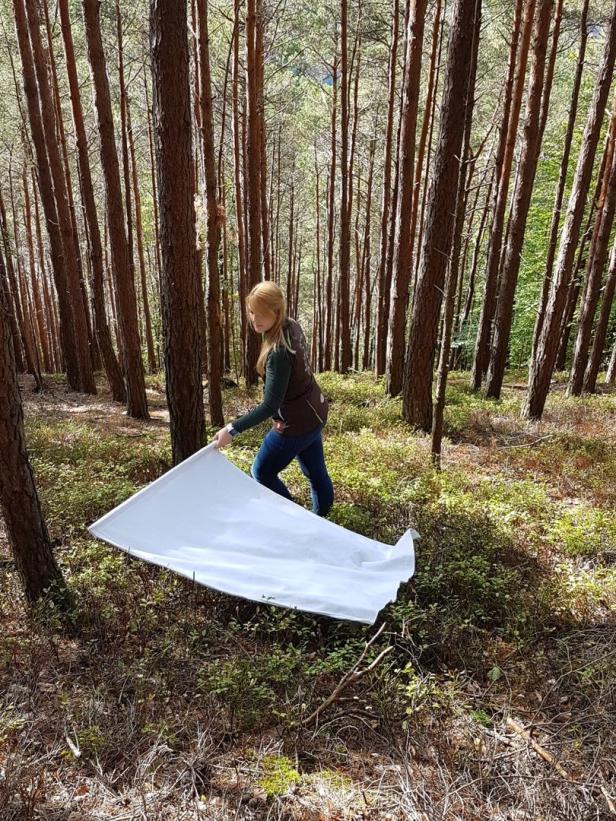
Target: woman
pixel 291 397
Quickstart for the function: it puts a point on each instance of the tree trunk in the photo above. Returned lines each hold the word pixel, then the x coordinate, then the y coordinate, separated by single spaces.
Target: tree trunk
pixel 120 256
pixel 427 174
pixel 344 329
pixel 461 356
pixel 402 259
pixel 290 241
pixel 562 178
pixel 610 378
pixel 331 216
pixel 50 307
pixel 573 290
pixel 14 314
pixel 542 364
pixel 263 210
pixel 13 290
pixel 514 87
pixel 594 362
pixel 597 260
pixel 180 274
pixel 63 267
pixel 26 529
pixel 26 310
pixel 454 262
pixel 253 156
pixel 154 189
pixel 417 391
pixel 366 261
pixel 39 312
pixel 147 318
pixel 63 210
pixel 426 128
pixel 103 335
pixel 213 223
pixel 519 213
pixel 60 132
pixel 382 296
pixel 549 71
pixel 317 325
pixel 237 174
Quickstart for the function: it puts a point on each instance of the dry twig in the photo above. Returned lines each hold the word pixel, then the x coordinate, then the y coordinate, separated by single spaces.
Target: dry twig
pixel 353 675
pixel 523 733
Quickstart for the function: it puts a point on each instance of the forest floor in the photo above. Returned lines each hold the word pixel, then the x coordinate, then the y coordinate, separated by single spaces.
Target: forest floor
pixel 162 700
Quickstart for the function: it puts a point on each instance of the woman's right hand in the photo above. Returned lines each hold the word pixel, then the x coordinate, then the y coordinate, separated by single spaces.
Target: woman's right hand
pixel 222 438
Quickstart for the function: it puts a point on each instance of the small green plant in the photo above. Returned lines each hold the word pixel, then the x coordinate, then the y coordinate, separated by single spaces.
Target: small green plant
pixel 252 688
pixel 421 692
pixel 481 717
pixel 278 775
pixel 584 531
pixel 92 740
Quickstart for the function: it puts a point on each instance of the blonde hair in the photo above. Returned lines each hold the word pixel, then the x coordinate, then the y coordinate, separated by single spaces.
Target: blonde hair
pixel 267 297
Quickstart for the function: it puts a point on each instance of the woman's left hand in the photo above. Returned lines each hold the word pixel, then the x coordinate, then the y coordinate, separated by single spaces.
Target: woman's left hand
pixel 222 438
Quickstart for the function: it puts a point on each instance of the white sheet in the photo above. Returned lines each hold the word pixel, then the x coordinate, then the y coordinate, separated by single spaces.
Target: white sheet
pixel 206 519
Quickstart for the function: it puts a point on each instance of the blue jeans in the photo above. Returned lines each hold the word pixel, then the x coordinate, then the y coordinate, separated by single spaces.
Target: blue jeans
pixel 278 451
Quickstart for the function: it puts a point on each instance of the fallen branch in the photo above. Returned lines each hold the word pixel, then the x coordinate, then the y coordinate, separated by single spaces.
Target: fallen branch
pixel 526 444
pixel 523 733
pixel 352 676
pixel 608 798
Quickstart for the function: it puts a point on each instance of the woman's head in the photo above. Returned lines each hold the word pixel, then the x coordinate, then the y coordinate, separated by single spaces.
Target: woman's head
pixel 266 307
pixel 267 310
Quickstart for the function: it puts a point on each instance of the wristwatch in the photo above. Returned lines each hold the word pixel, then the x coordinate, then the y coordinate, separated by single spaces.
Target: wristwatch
pixel 231 430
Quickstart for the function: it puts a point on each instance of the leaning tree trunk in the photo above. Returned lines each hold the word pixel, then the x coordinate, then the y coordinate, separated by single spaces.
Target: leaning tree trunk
pixel 180 274
pixel 610 378
pixel 594 362
pixel 562 177
pixel 120 255
pixel 514 87
pixel 598 258
pixel 573 290
pixel 402 260
pixel 519 214
pixel 461 357
pixel 417 391
pixel 19 500
pixel 542 365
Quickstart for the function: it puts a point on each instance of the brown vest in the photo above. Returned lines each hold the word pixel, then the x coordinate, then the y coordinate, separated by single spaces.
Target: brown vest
pixel 304 406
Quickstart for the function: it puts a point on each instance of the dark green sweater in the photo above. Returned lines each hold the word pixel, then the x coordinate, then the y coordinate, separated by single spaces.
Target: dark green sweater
pixel 277 373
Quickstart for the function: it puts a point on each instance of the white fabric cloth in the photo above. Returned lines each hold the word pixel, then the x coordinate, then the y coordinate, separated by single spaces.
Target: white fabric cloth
pixel 206 519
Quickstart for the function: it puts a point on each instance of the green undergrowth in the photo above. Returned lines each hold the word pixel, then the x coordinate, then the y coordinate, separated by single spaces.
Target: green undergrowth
pixel 485 535
pixel 508 567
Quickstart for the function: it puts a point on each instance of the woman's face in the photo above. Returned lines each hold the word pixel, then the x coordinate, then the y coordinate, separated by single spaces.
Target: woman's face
pixel 261 319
